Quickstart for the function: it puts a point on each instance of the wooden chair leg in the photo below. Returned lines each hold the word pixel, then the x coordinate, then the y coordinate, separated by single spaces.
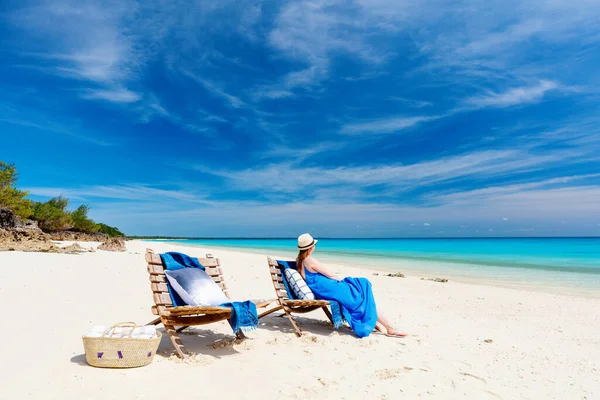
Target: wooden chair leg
pixel 328 313
pixel 174 336
pixel 272 310
pixel 289 315
pixel 155 322
pixel 180 329
pixel 240 335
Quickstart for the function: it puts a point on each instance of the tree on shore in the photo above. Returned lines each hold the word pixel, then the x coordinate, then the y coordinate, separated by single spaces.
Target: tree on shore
pixel 10 196
pixel 110 230
pixel 52 215
pixel 81 222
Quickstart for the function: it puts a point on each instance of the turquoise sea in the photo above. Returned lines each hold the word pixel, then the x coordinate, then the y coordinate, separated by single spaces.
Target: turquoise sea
pixel 559 264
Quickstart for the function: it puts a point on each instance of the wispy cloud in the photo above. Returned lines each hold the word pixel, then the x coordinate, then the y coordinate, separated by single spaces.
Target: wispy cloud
pixel 514 96
pixel 118 95
pixel 120 192
pixel 215 89
pixel 266 93
pixel 84 41
pixel 411 102
pixel 287 178
pixel 43 124
pixel 299 154
pixel 334 218
pixel 385 125
pixel 312 32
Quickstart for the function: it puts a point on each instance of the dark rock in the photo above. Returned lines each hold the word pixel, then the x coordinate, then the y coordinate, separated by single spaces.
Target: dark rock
pixel 113 244
pixel 435 279
pixel 31 225
pixel 397 275
pixel 8 219
pixel 79 236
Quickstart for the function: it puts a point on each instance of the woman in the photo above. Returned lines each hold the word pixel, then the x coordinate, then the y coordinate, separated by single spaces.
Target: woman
pixel 354 294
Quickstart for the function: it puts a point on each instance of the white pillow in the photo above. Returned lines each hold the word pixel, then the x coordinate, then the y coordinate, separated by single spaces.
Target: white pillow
pixel 196 287
pixel 298 285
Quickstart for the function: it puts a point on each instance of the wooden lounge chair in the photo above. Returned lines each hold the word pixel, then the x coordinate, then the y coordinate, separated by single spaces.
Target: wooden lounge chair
pixel 186 316
pixel 290 306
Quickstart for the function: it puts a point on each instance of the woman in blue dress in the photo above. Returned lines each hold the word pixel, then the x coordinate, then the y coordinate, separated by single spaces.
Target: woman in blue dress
pixel 354 295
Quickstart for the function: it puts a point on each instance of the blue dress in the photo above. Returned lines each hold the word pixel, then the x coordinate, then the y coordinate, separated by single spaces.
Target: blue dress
pixel 354 295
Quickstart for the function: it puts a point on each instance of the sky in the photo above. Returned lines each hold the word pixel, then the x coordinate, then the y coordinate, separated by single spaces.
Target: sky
pixel 363 118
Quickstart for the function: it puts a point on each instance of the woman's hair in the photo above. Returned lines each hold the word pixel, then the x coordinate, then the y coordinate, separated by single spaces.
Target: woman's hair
pixel 300 259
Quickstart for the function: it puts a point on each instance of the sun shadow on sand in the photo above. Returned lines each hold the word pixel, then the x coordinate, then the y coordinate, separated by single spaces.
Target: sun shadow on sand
pixel 79 359
pixel 205 342
pixel 317 327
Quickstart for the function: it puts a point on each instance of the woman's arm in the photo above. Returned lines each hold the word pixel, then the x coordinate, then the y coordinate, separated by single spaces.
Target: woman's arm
pixel 316 266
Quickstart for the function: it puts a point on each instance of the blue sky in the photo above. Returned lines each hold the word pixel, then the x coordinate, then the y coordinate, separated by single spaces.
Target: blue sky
pixel 342 118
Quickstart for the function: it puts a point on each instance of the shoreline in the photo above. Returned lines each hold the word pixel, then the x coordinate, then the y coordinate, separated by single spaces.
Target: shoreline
pixel 410 269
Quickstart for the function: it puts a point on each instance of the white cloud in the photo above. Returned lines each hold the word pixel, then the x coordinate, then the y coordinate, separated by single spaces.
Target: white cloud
pixel 215 89
pixel 122 192
pixel 314 31
pixel 222 217
pixel 287 178
pixel 117 95
pixel 515 96
pixel 85 41
pixel 265 93
pixel 411 102
pixel 384 125
pixel 426 224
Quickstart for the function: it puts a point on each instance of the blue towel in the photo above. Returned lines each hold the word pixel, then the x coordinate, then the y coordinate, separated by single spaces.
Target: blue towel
pixel 336 310
pixel 244 316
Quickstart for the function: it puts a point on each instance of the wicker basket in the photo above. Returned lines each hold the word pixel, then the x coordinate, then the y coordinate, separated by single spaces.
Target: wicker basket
pixel 128 352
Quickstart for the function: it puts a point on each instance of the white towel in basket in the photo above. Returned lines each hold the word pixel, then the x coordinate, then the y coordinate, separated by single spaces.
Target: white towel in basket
pixel 142 332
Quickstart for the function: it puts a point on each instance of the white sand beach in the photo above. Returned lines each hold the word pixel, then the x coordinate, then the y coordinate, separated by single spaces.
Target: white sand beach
pixel 540 345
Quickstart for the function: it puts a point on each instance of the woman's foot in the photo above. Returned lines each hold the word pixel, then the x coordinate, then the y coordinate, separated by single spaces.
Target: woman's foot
pixel 379 328
pixel 393 332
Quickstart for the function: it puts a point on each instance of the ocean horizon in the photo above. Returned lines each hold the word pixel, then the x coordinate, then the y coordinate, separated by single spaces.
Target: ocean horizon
pixel 563 264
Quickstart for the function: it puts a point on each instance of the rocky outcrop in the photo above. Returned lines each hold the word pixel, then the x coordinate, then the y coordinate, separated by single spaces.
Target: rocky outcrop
pixel 19 235
pixel 74 248
pixel 397 275
pixel 9 221
pixel 25 240
pixel 113 244
pixel 79 236
pixel 442 280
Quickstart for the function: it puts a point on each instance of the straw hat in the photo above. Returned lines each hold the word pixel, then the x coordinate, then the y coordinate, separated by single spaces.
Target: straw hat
pixel 305 241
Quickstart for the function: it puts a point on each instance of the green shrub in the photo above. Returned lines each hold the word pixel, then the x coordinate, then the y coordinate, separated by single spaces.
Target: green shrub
pixel 110 230
pixel 53 215
pixel 10 196
pixel 81 222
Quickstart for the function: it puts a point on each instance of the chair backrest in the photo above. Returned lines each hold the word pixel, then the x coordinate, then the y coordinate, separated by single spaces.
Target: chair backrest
pixel 277 278
pixel 158 279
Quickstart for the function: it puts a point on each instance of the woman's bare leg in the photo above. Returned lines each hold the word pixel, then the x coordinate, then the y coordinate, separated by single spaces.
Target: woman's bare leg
pixel 389 328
